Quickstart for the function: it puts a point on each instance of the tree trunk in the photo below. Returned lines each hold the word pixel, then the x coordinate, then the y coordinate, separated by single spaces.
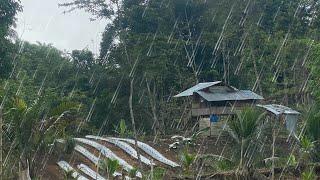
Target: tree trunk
pixel 133 122
pixel 24 174
pixel 273 152
pixel 1 144
pixel 156 124
pixel 24 171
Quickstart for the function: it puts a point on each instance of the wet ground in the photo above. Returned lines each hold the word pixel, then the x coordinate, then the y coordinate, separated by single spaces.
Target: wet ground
pixel 203 145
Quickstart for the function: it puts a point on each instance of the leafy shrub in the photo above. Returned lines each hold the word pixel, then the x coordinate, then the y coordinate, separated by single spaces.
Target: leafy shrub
pixel 133 172
pixel 122 129
pixel 187 160
pixel 109 166
pixel 69 145
pixel 158 173
pixel 308 175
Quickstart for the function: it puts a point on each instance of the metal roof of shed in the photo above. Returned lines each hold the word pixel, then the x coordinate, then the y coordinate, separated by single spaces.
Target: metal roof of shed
pixel 230 96
pixel 190 91
pixel 278 109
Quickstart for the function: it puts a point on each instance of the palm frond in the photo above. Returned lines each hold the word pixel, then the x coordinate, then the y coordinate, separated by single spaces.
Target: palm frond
pixel 245 125
pixel 20 104
pixel 62 107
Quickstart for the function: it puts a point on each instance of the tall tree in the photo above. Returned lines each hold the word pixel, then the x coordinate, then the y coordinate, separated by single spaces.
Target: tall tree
pixel 9 8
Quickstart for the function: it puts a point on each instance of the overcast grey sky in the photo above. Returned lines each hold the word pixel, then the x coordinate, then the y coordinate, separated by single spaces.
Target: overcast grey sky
pixel 44 21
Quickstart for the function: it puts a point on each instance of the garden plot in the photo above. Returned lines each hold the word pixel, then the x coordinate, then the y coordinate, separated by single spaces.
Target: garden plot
pixel 125 147
pixel 95 160
pixel 107 153
pixel 151 151
pixel 87 154
pixel 90 149
pixel 91 173
pixel 68 168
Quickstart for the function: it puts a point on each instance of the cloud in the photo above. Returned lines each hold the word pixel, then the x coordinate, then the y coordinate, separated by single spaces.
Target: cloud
pixel 44 21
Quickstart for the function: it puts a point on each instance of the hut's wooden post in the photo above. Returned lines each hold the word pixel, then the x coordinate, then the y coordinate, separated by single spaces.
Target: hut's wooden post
pixel 210 127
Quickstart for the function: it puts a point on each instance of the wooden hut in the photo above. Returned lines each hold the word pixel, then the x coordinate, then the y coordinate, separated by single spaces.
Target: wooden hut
pixel 217 99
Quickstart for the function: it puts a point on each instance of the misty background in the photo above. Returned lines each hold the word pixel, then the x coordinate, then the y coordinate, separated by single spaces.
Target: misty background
pixel 47 23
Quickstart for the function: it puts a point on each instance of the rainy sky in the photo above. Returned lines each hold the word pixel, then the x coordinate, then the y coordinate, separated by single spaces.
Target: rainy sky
pixel 44 21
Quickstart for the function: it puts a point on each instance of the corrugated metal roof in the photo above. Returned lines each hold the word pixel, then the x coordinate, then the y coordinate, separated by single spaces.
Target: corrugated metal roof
pixel 230 96
pixel 278 109
pixel 190 91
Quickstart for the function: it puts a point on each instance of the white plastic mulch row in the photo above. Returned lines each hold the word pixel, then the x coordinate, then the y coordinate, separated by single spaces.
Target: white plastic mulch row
pixel 67 168
pixel 95 160
pixel 125 147
pixel 107 153
pixel 87 154
pixel 91 173
pixel 151 151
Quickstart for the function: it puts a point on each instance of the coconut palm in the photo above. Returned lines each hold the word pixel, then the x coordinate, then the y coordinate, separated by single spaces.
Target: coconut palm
pixel 243 128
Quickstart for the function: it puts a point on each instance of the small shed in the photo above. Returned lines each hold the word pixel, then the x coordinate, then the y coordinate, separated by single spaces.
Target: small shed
pixel 288 115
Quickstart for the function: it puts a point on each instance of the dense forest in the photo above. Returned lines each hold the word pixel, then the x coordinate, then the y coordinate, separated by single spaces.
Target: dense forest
pixel 151 51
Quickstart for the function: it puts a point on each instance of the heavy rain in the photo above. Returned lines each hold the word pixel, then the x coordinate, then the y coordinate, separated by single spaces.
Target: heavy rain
pixel 159 89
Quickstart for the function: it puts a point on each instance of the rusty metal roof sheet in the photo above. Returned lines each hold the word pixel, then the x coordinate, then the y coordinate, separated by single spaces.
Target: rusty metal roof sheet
pixel 198 87
pixel 230 96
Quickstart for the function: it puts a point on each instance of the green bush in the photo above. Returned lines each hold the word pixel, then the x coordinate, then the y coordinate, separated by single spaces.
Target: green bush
pixel 69 145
